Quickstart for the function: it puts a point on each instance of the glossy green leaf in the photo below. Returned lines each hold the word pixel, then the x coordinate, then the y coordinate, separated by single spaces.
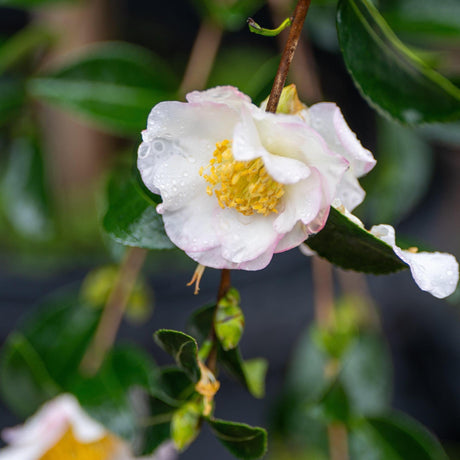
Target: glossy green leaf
pixel 248 375
pixel 349 246
pixel 393 437
pixel 185 424
pixel 392 78
pixel 242 440
pixel 25 382
pixel 333 406
pixel 405 166
pixel 182 348
pixel 173 386
pixel 12 97
pixel 25 195
pixel 131 218
pixel 113 85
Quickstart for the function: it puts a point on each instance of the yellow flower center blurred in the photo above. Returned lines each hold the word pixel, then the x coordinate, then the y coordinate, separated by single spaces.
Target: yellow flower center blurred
pixel 69 448
pixel 243 185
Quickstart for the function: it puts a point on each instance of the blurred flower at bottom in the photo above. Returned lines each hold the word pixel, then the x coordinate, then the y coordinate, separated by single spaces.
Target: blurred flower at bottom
pixel 61 430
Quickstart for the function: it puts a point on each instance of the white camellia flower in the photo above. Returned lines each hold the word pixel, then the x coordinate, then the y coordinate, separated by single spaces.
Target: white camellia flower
pixel 61 430
pixel 239 184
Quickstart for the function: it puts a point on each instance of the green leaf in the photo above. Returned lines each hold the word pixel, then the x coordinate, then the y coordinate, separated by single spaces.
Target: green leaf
pixel 242 440
pixel 113 85
pixel 12 97
pixel 333 406
pixel 26 199
pixel 130 217
pixel 173 386
pixel 25 382
pixel 229 320
pixel 349 246
pixel 182 348
pixel 185 424
pixel 255 371
pixel 366 375
pixel 394 437
pixel 392 78
pixel 405 169
pixel 158 425
pixel 23 44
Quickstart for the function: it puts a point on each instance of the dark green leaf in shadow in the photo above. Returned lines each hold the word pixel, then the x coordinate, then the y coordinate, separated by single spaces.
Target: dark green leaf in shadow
pixel 114 85
pixel 242 440
pixel 393 437
pixel 333 406
pixel 182 348
pixel 25 196
pixel 366 375
pixel 392 78
pixel 173 386
pixel 349 246
pixel 12 97
pixel 32 3
pixel 25 382
pixel 131 218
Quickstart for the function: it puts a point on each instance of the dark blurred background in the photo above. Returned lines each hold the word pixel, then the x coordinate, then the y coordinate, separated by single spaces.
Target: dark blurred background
pixel 422 332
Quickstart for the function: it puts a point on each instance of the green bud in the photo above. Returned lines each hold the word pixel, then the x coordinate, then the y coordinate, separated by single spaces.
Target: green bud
pixel 229 320
pixel 185 424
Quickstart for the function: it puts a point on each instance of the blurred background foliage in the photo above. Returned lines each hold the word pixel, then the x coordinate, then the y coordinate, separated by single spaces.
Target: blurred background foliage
pixel 77 81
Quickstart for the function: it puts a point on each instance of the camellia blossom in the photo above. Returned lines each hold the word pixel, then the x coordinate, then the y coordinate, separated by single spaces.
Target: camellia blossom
pixel 239 184
pixel 61 430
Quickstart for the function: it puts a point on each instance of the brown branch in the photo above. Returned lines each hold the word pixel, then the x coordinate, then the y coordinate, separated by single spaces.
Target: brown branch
pixel 113 311
pixel 295 31
pixel 323 291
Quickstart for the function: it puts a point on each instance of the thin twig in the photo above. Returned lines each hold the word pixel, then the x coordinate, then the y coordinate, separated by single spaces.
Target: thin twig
pixel 323 291
pixel 202 57
pixel 300 14
pixel 113 311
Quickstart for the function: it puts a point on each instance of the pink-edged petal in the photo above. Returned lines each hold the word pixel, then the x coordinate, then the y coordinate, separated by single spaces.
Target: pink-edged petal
pixel 327 119
pixel 193 129
pixel 302 202
pixel 434 272
pixel 293 238
pixel 194 231
pixel 349 192
pixel 244 238
pixel 228 95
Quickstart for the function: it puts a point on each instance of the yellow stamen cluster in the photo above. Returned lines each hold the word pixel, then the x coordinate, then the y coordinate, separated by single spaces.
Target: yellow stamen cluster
pixel 244 185
pixel 68 447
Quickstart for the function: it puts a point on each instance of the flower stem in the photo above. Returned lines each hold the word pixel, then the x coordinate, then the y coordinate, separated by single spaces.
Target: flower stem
pixel 113 311
pixel 225 284
pixel 300 14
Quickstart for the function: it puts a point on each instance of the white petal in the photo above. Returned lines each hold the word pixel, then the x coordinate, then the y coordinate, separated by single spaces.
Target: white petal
pixel 434 272
pixel 244 238
pixel 228 95
pixel 246 143
pixel 302 202
pixel 327 119
pixel 193 227
pixel 349 192
pixel 293 238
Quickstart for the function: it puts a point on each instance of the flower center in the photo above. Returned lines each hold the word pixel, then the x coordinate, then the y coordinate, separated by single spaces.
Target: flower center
pixel 243 185
pixel 68 447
